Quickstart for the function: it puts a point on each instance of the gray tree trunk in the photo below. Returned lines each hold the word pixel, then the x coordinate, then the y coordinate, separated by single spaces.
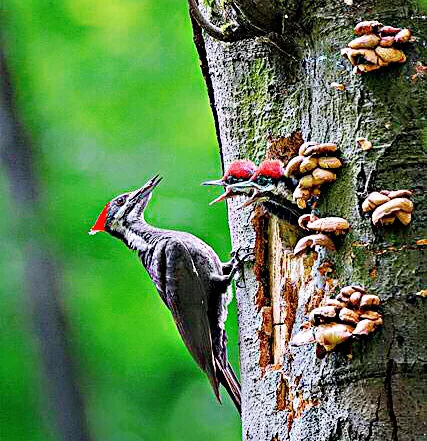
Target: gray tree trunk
pixel 265 102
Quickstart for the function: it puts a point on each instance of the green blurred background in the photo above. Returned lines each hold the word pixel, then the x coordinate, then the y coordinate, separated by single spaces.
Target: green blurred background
pixel 111 93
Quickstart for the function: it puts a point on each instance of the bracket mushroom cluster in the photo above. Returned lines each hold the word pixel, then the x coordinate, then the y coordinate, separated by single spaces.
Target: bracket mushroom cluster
pixel 323 227
pixel 352 314
pixel 376 46
pixel 389 206
pixel 312 167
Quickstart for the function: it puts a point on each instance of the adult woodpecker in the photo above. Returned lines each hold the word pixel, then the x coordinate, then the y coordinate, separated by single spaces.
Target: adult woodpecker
pixel 239 171
pixel 273 189
pixel 189 276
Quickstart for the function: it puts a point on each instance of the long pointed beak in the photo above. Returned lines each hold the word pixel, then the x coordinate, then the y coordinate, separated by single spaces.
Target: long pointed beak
pixel 139 194
pixel 255 197
pixel 242 186
pixel 227 194
pixel 217 182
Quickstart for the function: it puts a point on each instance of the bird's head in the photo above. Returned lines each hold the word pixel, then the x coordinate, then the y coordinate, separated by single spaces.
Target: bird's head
pixel 239 171
pixel 125 209
pixel 263 182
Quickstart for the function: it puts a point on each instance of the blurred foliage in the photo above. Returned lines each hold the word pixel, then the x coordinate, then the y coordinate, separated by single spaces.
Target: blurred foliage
pixel 111 93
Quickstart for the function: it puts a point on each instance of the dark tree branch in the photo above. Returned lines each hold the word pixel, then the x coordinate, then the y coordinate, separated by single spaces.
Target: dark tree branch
pixel 228 33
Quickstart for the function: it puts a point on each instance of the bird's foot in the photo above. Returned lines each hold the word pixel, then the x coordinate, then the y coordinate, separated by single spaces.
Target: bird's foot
pixel 238 257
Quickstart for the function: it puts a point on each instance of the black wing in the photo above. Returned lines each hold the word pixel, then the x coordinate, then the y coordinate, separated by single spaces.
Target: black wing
pixel 172 269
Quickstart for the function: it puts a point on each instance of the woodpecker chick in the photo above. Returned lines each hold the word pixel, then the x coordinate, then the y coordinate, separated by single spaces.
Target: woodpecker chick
pixel 273 189
pixel 238 171
pixel 188 275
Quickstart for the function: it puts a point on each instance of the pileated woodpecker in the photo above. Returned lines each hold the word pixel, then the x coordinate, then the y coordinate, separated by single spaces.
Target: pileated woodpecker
pixel 189 276
pixel 239 171
pixel 270 186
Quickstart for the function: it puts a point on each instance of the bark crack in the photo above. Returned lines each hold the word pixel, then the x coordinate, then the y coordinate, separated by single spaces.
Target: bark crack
pixel 388 386
pixel 199 42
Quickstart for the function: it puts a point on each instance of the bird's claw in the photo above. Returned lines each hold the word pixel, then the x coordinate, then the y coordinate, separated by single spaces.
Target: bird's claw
pixel 237 260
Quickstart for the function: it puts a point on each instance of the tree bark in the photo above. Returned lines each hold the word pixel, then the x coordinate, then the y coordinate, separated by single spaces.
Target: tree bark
pixel 267 99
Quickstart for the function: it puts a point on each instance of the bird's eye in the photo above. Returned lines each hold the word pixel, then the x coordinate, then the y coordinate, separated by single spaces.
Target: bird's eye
pixel 262 180
pixel 120 201
pixel 231 180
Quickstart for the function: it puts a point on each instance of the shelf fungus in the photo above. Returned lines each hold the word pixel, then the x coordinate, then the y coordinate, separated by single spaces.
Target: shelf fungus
pixel 388 206
pixel 315 165
pixel 351 315
pixel 322 226
pixel 376 46
pixel 313 241
pixel 334 225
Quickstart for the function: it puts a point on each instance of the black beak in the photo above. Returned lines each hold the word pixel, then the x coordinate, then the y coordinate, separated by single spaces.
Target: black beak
pixel 218 182
pixel 144 191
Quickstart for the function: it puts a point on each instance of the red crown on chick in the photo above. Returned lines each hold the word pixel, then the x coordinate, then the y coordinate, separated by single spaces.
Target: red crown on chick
pixel 241 169
pixel 271 168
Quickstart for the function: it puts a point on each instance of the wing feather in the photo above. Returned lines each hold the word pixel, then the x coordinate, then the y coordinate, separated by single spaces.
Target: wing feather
pixel 183 292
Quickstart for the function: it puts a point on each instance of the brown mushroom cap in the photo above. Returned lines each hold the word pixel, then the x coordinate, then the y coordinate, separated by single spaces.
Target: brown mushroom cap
pixel 300 192
pixel 348 316
pixel 335 302
pixel 404 217
pixel 323 313
pixel 364 327
pixel 387 41
pixel 312 241
pixel 383 212
pixel 367 27
pixel 303 220
pixel 329 162
pixel 373 200
pixel 358 57
pixel 367 41
pixel 307 181
pixel 398 193
pixel 359 288
pixel 321 149
pixel 403 36
pixel 304 337
pixel 390 54
pixel 369 301
pixel 305 146
pixel 360 68
pixel 370 315
pixel 293 165
pixel 309 163
pixel 355 299
pixel 337 225
pixel 347 291
pixel 389 30
pixel 322 176
pixel 332 334
pixel 364 144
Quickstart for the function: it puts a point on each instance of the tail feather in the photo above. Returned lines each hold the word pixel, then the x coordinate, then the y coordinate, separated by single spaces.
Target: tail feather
pixel 228 379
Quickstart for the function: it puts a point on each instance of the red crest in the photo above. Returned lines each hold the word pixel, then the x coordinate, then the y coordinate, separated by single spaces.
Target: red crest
pixel 241 169
pixel 271 168
pixel 100 222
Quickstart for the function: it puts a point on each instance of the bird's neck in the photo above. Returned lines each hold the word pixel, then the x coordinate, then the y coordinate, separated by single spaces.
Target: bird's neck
pixel 137 235
pixel 283 192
